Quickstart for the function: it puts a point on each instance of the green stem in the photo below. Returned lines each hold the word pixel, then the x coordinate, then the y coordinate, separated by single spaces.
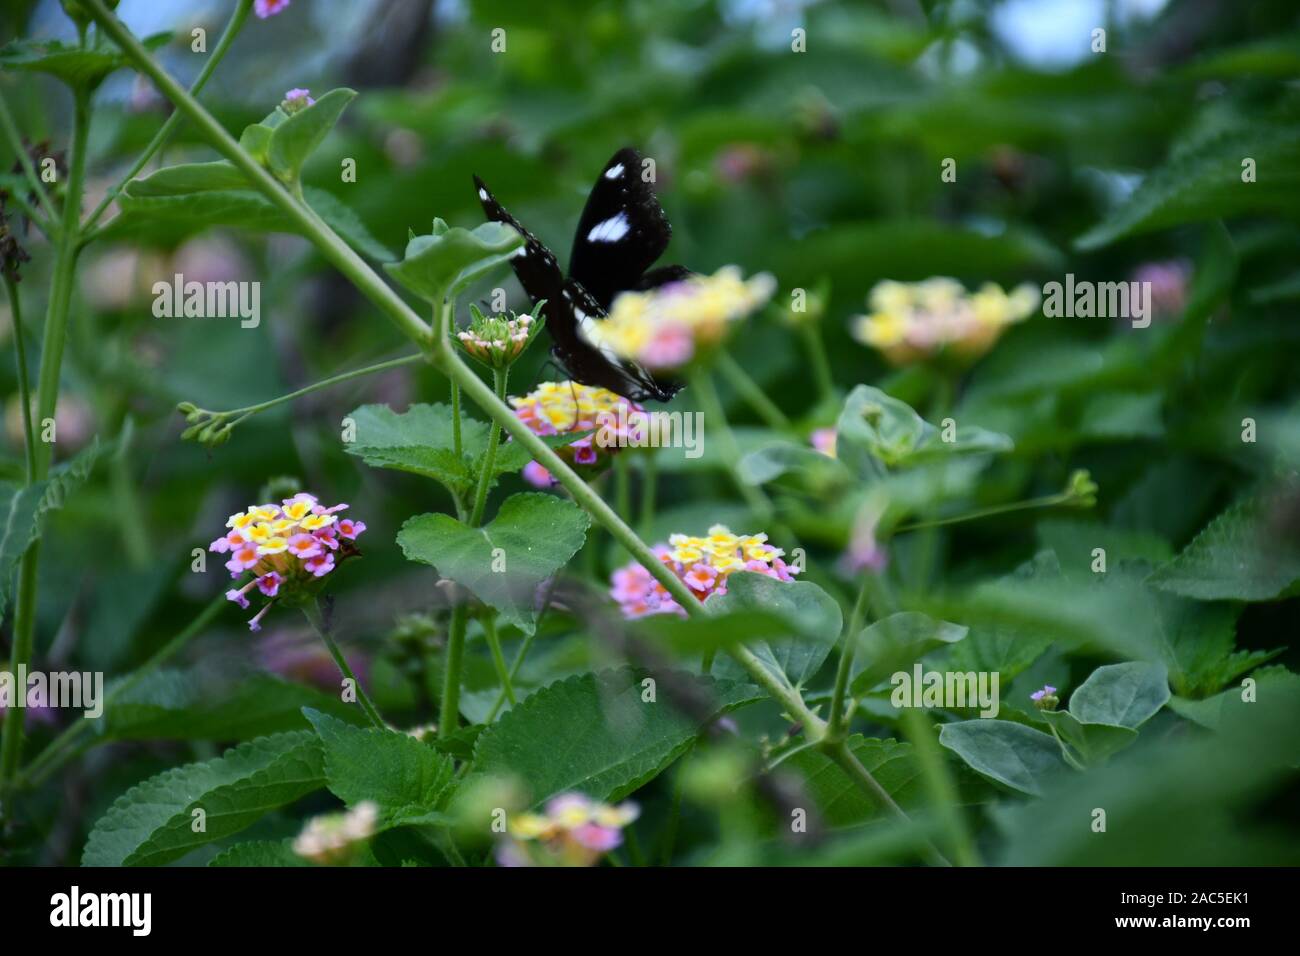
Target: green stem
pixel 499 378
pixel 623 485
pixel 311 611
pixel 10 130
pixel 47 395
pixel 707 396
pixel 649 479
pixel 812 337
pixel 939 784
pixel 498 659
pixel 24 389
pixel 165 131
pixel 449 714
pixel 56 751
pixel 835 728
pixel 250 410
pixel 514 672
pixel 750 391
pixel 1047 501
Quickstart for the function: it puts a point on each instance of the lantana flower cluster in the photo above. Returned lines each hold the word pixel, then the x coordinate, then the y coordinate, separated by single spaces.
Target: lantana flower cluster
pixel 557 408
pixel 665 328
pixel 288 548
pixel 573 830
pixel 703 564
pixel 497 340
pixel 910 322
pixel 335 839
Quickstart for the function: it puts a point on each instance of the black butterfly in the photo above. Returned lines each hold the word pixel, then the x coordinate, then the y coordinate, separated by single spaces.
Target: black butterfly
pixel 623 230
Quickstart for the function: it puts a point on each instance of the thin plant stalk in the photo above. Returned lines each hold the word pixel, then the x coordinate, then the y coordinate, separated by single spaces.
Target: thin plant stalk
pixel 311 611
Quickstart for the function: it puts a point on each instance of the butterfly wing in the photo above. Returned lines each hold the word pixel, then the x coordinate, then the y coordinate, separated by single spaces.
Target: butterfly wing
pixel 569 306
pixel 622 232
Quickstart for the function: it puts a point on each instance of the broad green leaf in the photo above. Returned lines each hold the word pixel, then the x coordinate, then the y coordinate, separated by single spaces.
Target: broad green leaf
pixel 297 137
pixel 439 264
pixel 187 179
pixel 597 734
pixel 1093 742
pixel 1206 183
pixel 1124 695
pixel 504 563
pixel 152 823
pixel 1266 683
pixel 1017 756
pixel 1238 556
pixel 407 778
pixel 259 853
pixel 420 440
pixel 184 705
pixel 774 461
pixel 840 799
pixel 812 619
pixel 895 643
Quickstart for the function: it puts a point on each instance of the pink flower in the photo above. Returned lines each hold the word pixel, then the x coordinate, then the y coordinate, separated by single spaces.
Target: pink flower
pixel 595 837
pixel 320 565
pixel 701 577
pixel 305 546
pixel 269 8
pixel 269 584
pixel 237 595
pixel 244 557
pixel 672 346
pixel 537 476
pixel 350 529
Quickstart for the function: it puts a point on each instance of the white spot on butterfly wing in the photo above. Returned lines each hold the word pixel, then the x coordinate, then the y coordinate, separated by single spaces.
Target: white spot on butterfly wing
pixel 610 230
pixel 614 171
pixel 483 194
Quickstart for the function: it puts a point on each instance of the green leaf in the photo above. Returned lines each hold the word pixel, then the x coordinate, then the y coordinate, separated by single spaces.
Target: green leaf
pixel 76 67
pixel 186 705
pixel 1123 695
pixel 895 643
pixel 297 137
pixel 536 533
pixel 152 823
pixel 1238 556
pixel 840 799
pixel 190 197
pixel 1017 756
pixel 594 733
pixel 24 507
pixel 407 778
pixel 1093 742
pixel 774 461
pixel 420 441
pixel 877 431
pixel 259 853
pixel 437 265
pixel 1205 183
pixel 812 618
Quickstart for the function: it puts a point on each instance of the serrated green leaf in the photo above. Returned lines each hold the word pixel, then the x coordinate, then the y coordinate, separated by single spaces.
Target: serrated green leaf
pixel 594 733
pixel 24 507
pixel 840 799
pixel 536 533
pixel 1092 742
pixel 407 778
pixel 1237 556
pixel 76 67
pixel 1206 183
pixel 152 823
pixel 259 853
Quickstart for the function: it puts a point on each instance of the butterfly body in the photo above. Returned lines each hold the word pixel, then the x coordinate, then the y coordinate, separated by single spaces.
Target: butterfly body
pixel 621 232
